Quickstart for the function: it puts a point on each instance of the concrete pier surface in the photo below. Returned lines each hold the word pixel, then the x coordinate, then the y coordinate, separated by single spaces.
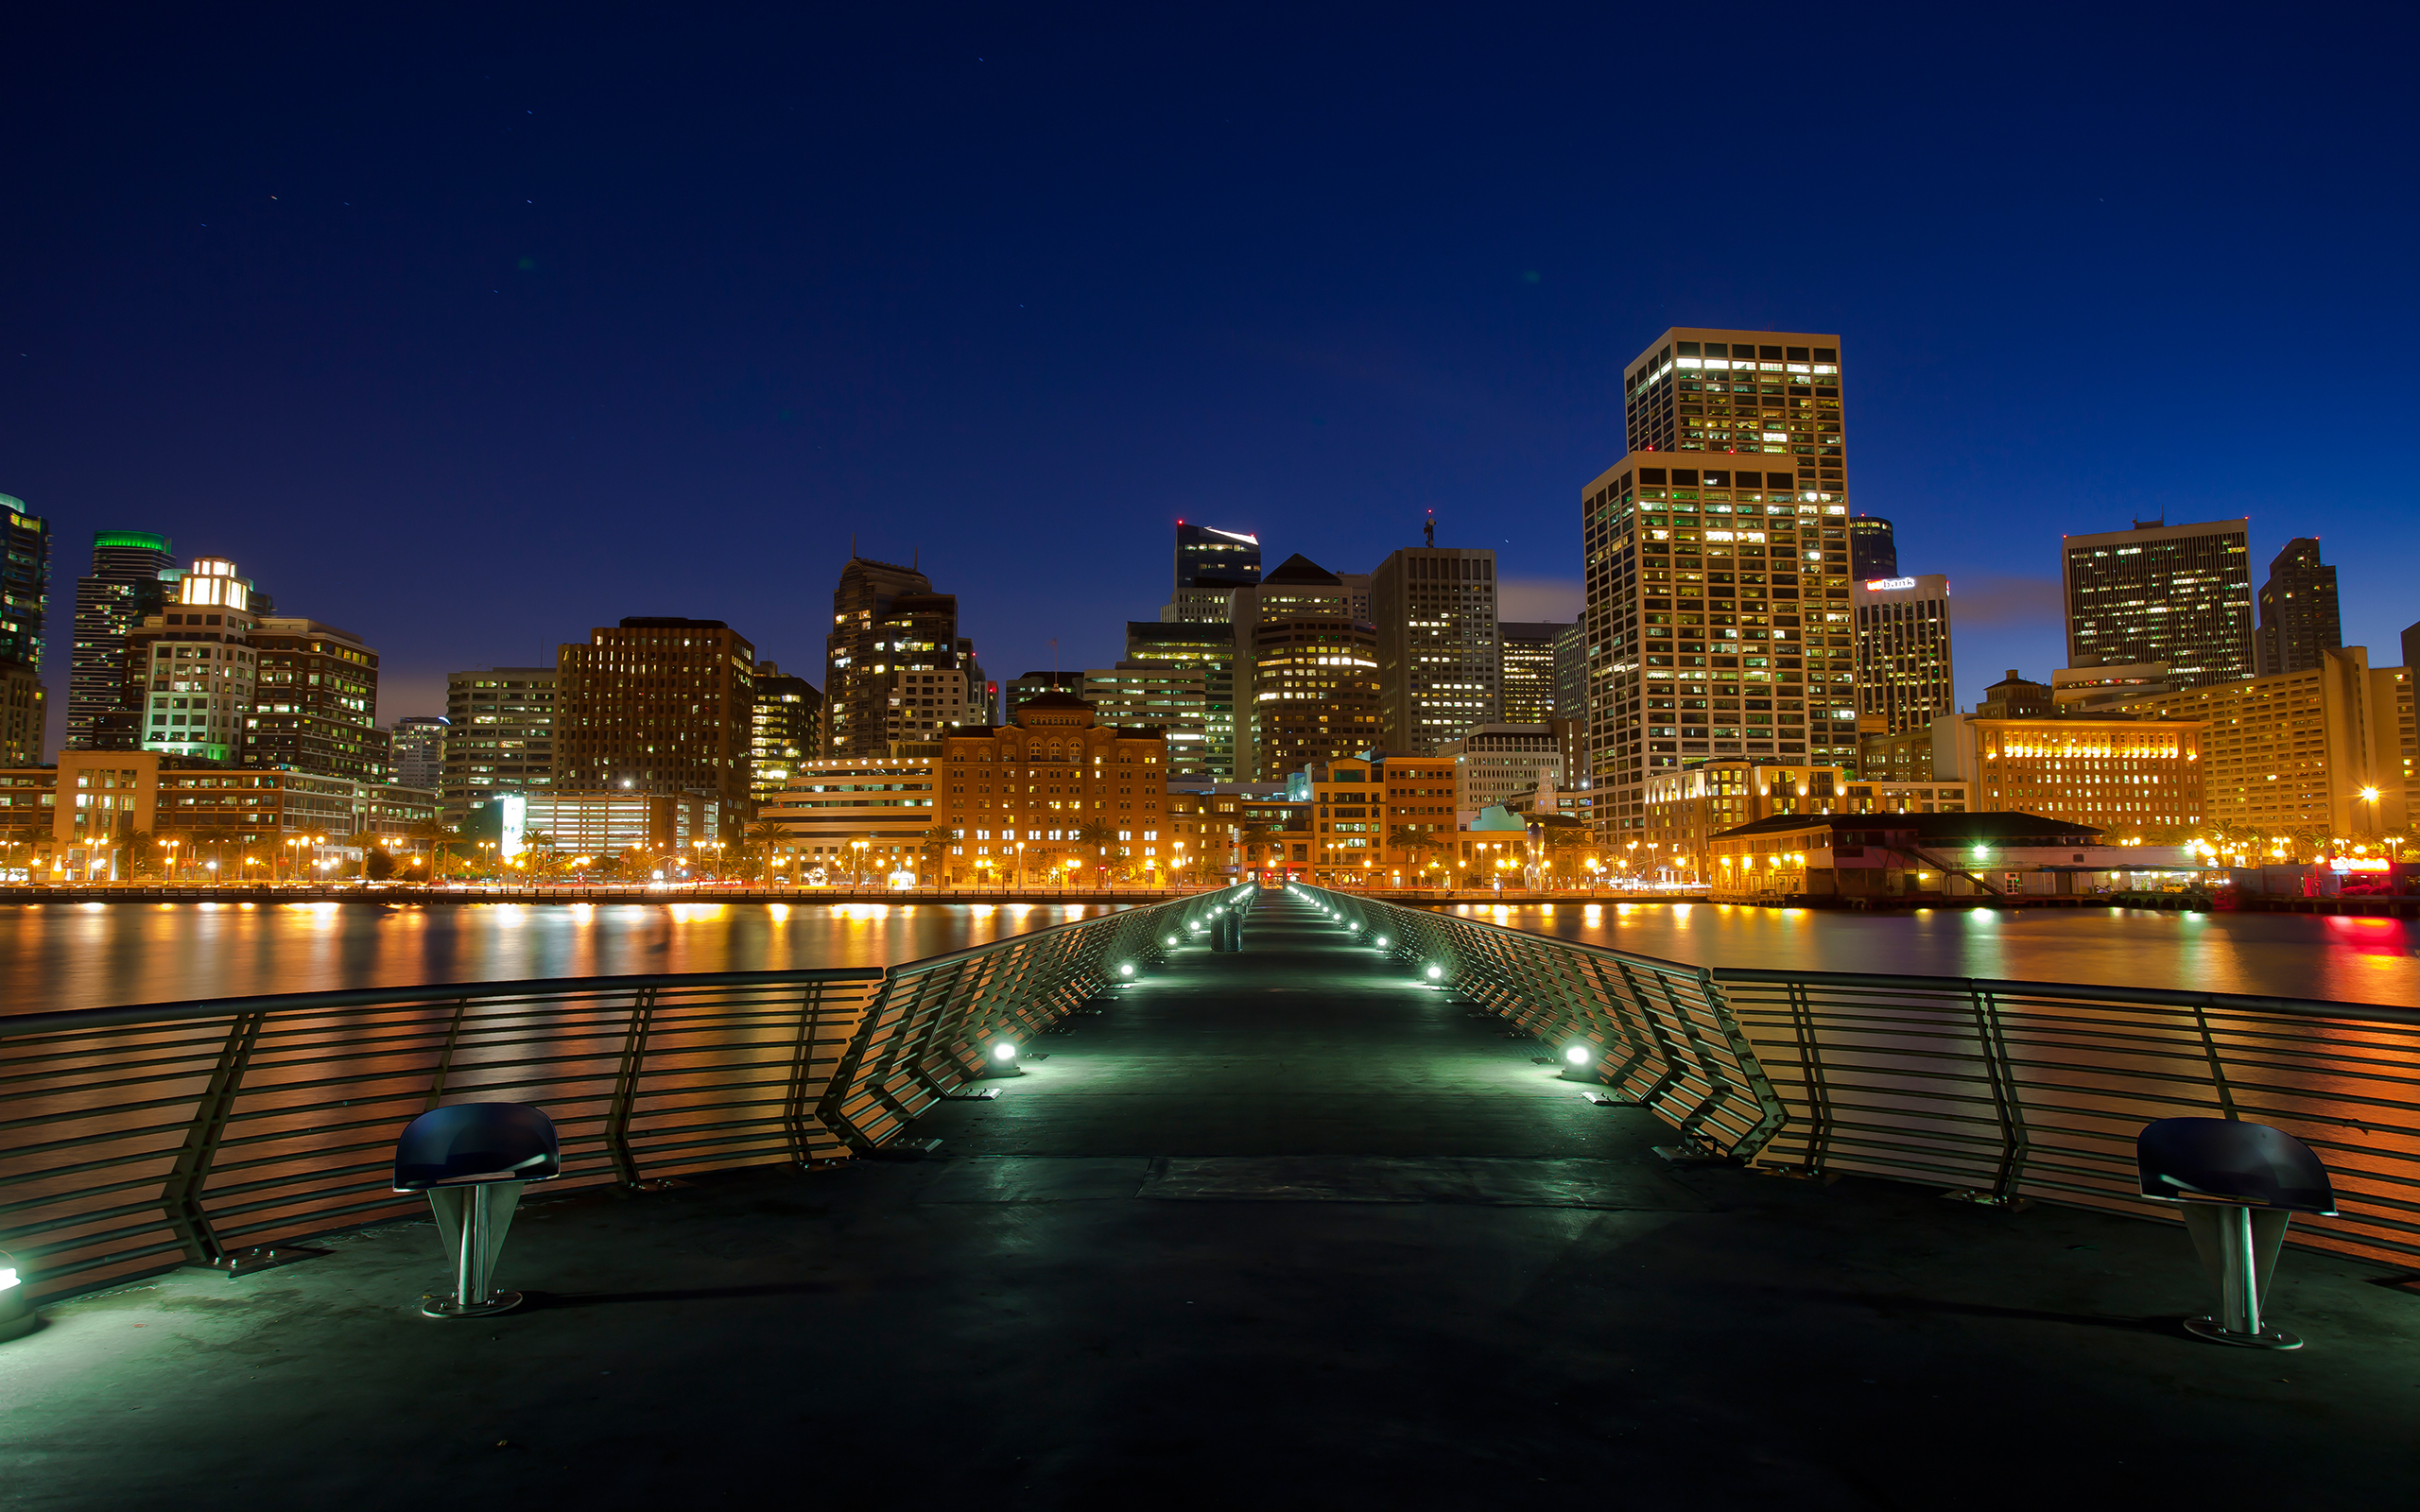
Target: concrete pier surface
pixel 1284 1228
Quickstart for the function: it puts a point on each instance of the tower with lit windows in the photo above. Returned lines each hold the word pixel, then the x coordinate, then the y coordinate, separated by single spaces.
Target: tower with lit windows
pixel 1717 621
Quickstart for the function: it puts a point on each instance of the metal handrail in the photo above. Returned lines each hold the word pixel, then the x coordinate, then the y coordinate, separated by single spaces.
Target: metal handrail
pixel 140 1138
pixel 2000 1090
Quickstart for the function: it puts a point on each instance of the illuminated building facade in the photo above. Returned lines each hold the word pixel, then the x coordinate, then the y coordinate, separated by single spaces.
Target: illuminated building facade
pixel 416 751
pixel 1420 795
pixel 1210 648
pixel 1903 653
pixel 1210 566
pixel 2138 779
pixel 657 705
pixel 1433 609
pixel 192 667
pixel 1820 859
pixel 124 589
pixel 314 701
pixel 2298 615
pixel 25 608
pixel 1526 649
pixel 1874 551
pixel 886 619
pixel 1686 809
pixel 1172 697
pixel 499 737
pixel 1718 625
pixel 1312 693
pixel 784 727
pixel 2295 756
pixel 1054 786
pixel 2179 595
pixel 1496 761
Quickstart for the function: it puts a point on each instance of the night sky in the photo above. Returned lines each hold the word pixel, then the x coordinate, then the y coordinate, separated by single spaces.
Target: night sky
pixel 467 334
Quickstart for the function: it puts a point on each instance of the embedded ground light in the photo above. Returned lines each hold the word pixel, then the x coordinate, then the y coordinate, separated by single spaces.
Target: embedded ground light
pixel 1435 973
pixel 1003 1053
pixel 1578 1056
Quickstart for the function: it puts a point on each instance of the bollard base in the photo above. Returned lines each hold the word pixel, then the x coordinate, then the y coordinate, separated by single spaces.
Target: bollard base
pixel 448 1306
pixel 2217 1333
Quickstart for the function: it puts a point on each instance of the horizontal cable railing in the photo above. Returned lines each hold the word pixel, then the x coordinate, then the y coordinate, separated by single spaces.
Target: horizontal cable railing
pixel 1995 1089
pixel 137 1138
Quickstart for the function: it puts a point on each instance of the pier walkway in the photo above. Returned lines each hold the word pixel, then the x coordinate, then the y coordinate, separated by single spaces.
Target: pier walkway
pixel 1284 1228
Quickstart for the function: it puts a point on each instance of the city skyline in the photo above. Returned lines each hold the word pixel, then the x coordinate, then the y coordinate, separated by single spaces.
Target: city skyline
pixel 432 319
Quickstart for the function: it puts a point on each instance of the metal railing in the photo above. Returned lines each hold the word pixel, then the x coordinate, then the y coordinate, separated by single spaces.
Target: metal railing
pixel 135 1138
pixel 1999 1091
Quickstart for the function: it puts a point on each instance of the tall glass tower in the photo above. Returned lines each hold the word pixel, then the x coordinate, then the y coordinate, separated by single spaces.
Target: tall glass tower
pixel 124 586
pixel 1210 566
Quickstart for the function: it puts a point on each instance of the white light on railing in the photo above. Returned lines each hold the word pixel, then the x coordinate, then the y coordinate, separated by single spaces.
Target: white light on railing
pixel 1127 970
pixel 1435 973
pixel 1578 1056
pixel 1003 1053
pixel 1380 942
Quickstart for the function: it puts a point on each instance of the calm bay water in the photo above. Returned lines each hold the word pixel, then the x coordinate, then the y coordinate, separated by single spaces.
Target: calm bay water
pixel 86 956
pixel 72 955
pixel 2297 956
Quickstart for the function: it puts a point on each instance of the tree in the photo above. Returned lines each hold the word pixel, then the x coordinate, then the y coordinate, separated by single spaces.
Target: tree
pixel 1100 835
pixel 761 846
pixel 934 847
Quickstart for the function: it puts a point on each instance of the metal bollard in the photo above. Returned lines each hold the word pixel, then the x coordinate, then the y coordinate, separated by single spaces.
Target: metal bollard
pixel 2237 1185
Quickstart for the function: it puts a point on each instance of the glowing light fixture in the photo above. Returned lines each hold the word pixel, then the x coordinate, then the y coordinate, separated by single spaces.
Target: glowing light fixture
pixel 1435 973
pixel 17 1313
pixel 1003 1053
pixel 1578 1056
pixel 1380 942
pixel 1127 970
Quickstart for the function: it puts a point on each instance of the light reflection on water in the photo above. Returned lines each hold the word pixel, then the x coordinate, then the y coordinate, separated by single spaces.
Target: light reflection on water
pixel 82 955
pixel 2300 955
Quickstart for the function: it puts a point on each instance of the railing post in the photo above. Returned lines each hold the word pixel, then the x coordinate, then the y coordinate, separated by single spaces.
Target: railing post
pixel 2210 1054
pixel 626 1088
pixel 2005 1104
pixel 1811 1069
pixel 181 1198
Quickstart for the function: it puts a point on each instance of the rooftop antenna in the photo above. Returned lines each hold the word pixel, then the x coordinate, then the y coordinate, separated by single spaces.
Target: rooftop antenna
pixel 853 546
pixel 1054 656
pixel 1429 529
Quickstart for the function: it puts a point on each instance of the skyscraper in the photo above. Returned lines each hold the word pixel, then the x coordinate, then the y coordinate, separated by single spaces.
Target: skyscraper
pixel 887 621
pixel 1169 698
pixel 2298 618
pixel 1706 638
pixel 499 737
pixel 24 607
pixel 1873 552
pixel 123 589
pixel 1525 682
pixel 314 701
pixel 1313 694
pixel 1211 648
pixel 1434 610
pixel 657 705
pixel 417 751
pixel 2175 595
pixel 195 664
pixel 1210 566
pixel 25 583
pixel 1718 620
pixel 786 729
pixel 1571 678
pixel 1903 663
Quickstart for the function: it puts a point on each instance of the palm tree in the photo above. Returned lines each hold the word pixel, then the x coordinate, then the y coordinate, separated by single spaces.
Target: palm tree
pixel 934 847
pixel 1100 835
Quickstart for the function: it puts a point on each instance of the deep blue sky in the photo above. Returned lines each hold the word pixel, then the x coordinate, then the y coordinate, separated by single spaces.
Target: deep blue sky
pixel 469 331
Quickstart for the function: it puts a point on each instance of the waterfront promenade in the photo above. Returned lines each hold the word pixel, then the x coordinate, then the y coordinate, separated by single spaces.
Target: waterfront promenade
pixel 1284 1226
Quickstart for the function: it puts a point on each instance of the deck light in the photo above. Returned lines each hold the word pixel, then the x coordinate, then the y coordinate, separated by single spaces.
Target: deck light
pixel 1578 1056
pixel 17 1313
pixel 1127 970
pixel 1435 973
pixel 1380 942
pixel 1171 939
pixel 1004 1052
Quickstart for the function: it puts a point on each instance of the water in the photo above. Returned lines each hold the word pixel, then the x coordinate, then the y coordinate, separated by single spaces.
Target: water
pixel 71 956
pixel 84 955
pixel 2294 956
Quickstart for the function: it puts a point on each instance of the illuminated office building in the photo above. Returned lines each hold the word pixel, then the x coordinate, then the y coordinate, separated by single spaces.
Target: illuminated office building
pixel 657 704
pixel 887 620
pixel 1433 609
pixel 2176 594
pixel 192 667
pixel 124 589
pixel 1903 675
pixel 1313 694
pixel 416 752
pixel 1210 566
pixel 499 737
pixel 314 701
pixel 784 727
pixel 2298 618
pixel 1525 679
pixel 1874 551
pixel 1210 648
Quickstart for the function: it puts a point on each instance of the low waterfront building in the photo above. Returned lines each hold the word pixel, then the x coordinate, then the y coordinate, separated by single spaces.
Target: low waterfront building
pixel 1493 762
pixel 845 818
pixel 1834 858
pixel 2135 778
pixel 657 826
pixel 2303 758
pixel 1687 808
pixel 1053 787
